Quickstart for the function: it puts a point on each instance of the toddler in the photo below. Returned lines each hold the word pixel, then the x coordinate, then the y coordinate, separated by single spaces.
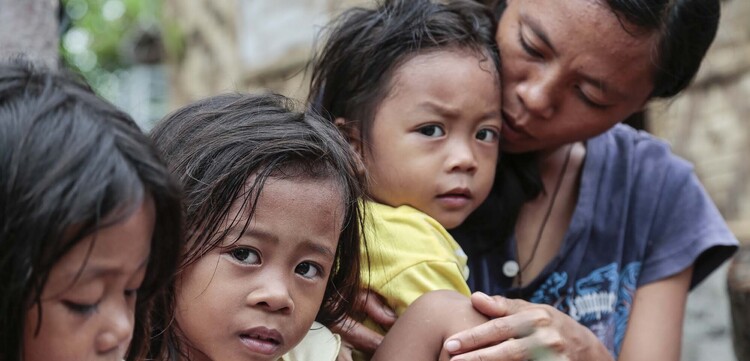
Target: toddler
pixel 414 86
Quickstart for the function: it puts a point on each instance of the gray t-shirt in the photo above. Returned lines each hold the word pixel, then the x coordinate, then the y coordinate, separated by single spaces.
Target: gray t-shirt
pixel 641 216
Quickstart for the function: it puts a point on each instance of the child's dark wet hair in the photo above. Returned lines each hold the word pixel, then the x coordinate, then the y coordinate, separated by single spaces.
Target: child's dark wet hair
pixel 353 71
pixel 71 164
pixel 213 146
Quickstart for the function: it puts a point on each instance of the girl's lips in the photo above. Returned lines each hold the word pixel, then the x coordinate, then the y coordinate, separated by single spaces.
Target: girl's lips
pixel 262 340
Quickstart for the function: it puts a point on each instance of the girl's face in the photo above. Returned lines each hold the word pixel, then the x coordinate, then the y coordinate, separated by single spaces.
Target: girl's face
pixel 256 297
pixel 88 303
pixel 570 71
pixel 434 140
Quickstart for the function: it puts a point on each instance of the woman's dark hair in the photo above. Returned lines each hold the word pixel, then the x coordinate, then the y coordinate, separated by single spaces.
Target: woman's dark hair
pixel 70 164
pixel 352 73
pixel 213 146
pixel 686 29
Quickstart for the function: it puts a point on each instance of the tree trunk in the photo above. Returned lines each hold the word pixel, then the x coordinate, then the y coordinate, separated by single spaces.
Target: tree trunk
pixel 739 297
pixel 30 27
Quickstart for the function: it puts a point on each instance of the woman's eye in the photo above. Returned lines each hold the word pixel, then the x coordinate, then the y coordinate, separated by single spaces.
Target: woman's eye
pixel 487 135
pixel 527 47
pixel 83 309
pixel 245 255
pixel 432 131
pixel 308 270
pixel 588 100
pixel 131 293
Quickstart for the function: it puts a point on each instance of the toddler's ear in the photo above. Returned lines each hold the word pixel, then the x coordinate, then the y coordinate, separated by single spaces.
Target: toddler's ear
pixel 351 131
pixel 353 135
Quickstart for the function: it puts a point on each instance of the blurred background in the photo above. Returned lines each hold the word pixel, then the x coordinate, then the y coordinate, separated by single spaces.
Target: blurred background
pixel 152 56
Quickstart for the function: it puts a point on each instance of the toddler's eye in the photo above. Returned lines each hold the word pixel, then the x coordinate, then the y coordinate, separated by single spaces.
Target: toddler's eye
pixel 487 135
pixel 308 270
pixel 245 255
pixel 432 131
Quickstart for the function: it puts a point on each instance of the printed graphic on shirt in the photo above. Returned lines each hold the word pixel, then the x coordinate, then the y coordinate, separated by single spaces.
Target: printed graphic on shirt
pixel 599 301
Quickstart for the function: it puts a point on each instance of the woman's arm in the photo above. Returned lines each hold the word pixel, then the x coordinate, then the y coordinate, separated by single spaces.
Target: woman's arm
pixel 655 325
pixel 521 331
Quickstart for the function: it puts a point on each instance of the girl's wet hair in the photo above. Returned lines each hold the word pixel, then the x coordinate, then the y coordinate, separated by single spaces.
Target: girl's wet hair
pixel 214 145
pixel 353 71
pixel 70 164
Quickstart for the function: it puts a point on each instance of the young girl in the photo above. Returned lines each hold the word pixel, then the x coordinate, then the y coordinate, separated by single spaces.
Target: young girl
pixel 273 231
pixel 414 85
pixel 89 222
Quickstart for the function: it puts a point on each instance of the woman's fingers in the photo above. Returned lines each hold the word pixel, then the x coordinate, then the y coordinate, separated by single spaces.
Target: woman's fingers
pixel 496 306
pixel 533 347
pixel 375 308
pixel 357 335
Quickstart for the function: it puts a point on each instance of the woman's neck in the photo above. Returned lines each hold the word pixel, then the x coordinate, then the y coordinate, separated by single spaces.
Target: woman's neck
pixel 552 160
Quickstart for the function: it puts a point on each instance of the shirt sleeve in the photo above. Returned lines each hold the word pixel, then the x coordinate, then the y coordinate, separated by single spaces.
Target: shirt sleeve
pixel 412 282
pixel 687 229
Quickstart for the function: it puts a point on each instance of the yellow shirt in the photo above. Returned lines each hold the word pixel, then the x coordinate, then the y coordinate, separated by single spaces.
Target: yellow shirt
pixel 410 254
pixel 318 345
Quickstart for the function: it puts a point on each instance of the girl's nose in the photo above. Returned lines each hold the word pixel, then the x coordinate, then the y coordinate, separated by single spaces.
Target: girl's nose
pixel 273 296
pixel 117 331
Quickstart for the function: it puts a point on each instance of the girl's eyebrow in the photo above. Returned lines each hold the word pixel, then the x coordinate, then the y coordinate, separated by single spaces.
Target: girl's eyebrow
pixel 94 272
pixel 308 244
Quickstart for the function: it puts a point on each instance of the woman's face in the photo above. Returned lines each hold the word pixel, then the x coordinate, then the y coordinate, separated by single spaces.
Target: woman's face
pixel 570 71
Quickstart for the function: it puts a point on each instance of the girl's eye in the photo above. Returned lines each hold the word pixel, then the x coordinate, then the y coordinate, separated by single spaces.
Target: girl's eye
pixel 245 255
pixel 82 309
pixel 308 270
pixel 527 47
pixel 487 135
pixel 432 131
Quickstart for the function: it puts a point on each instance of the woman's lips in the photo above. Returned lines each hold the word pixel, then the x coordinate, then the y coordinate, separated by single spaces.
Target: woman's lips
pixel 511 131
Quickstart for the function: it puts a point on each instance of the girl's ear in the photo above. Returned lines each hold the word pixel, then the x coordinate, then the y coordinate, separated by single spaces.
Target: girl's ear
pixel 353 135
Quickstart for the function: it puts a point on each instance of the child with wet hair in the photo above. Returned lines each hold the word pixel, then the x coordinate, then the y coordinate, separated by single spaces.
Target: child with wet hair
pixel 90 222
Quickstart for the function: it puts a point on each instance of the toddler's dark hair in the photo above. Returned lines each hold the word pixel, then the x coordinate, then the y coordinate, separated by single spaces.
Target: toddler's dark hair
pixel 353 72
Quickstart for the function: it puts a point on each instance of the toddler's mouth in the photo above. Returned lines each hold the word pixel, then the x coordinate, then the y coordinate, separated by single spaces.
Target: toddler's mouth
pixel 262 340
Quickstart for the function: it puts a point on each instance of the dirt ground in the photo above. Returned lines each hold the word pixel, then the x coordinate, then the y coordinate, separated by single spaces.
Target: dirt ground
pixel 708 334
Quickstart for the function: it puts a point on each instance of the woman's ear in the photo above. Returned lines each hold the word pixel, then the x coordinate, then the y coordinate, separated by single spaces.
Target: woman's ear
pixel 353 135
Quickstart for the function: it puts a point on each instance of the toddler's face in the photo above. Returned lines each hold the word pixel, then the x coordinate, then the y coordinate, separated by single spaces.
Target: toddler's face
pixel 88 303
pixel 256 297
pixel 434 141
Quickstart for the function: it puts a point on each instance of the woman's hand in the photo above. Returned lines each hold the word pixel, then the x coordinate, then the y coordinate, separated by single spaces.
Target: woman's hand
pixel 359 336
pixel 520 330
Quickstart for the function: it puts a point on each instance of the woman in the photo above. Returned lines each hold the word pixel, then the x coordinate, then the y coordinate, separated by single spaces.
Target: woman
pixel 612 230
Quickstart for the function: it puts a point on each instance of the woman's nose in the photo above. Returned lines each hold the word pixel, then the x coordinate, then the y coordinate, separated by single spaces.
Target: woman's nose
pixel 537 93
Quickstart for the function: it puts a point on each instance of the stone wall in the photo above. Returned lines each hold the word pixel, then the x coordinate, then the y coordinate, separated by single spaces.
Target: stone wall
pixel 710 123
pixel 248 45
